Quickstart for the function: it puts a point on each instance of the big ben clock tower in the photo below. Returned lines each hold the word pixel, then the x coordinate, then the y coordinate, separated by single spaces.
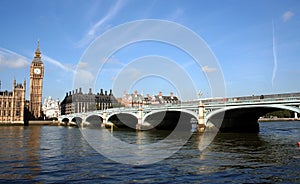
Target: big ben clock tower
pixel 36 84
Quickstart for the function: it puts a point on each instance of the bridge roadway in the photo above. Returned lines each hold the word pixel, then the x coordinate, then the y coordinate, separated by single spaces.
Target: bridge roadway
pixel 234 115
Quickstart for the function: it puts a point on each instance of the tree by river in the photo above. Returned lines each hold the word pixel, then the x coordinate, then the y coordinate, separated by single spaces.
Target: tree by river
pixel 280 114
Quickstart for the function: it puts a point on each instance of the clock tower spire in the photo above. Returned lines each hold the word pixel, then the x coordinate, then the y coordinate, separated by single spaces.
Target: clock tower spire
pixel 37 53
pixel 36 84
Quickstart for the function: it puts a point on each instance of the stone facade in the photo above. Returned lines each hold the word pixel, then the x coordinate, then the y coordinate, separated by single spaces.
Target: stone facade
pixel 36 85
pixel 132 100
pixel 78 102
pixel 104 100
pixel 135 99
pixel 12 104
pixel 51 108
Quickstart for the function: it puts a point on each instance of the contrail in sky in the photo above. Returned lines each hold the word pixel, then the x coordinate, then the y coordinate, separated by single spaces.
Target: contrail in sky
pixel 274 55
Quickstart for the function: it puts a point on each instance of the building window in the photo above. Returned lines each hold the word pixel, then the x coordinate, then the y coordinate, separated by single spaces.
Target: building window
pixel 18 113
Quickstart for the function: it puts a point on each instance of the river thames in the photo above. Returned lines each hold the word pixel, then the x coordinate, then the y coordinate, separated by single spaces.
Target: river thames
pixel 52 154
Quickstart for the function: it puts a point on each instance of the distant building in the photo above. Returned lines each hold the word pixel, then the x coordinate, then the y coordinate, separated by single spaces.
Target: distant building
pixel 12 104
pixel 77 102
pixel 104 100
pixel 134 100
pixel 51 108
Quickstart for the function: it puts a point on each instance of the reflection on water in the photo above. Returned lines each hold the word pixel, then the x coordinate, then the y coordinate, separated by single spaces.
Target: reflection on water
pixel 19 148
pixel 58 154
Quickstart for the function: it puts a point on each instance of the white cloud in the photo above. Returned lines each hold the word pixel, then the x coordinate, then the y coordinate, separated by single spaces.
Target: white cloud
pixel 179 12
pixel 10 59
pixel 83 78
pixel 92 32
pixel 113 61
pixel 208 69
pixel 82 65
pixel 287 16
pixel 58 64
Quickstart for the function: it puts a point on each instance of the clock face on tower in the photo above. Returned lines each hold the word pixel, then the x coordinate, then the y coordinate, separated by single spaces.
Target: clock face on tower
pixel 37 71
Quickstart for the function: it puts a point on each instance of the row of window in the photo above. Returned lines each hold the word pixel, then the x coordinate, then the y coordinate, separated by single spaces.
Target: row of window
pixel 8 113
pixel 8 104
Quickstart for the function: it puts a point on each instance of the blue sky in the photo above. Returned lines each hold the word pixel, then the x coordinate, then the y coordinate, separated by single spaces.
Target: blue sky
pixel 256 43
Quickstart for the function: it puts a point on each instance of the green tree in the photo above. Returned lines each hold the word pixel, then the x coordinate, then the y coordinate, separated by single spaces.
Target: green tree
pixel 280 114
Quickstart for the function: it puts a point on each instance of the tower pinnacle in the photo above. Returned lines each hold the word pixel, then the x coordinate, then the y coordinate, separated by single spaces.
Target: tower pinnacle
pixel 37 51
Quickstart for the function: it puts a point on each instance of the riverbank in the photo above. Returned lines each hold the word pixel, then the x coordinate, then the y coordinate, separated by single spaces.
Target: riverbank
pixel 45 122
pixel 277 119
pixel 34 123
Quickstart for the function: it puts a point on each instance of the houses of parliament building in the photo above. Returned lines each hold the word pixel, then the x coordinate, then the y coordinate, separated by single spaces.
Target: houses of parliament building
pixel 14 109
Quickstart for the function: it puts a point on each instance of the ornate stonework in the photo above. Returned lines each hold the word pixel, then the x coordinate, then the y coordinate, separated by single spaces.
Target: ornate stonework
pixel 51 108
pixel 36 84
pixel 12 104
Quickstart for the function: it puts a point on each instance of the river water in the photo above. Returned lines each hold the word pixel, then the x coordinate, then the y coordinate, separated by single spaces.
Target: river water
pixel 50 154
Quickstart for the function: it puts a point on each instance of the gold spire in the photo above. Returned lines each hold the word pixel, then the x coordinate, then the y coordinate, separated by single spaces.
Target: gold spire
pixel 37 51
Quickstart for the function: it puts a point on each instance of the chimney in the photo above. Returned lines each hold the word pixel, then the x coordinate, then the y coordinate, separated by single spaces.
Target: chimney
pixel 110 92
pixel 160 93
pixel 76 91
pixel 101 92
pixel 73 92
pixel 70 93
pixel 80 91
pixel 90 91
pixel 105 92
pixel 66 93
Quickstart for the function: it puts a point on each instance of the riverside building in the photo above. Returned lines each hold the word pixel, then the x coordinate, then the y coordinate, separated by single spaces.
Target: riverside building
pixel 12 104
pixel 78 102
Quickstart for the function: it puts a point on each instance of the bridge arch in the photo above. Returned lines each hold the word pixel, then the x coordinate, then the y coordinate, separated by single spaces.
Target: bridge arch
pixel 123 119
pixel 65 120
pixel 94 118
pixel 93 121
pixel 77 120
pixel 168 119
pixel 243 118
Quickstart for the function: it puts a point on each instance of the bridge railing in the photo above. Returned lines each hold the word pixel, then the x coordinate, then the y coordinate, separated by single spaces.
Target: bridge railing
pixel 236 101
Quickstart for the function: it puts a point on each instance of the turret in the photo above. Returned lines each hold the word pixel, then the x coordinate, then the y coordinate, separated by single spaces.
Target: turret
pixel 24 84
pixel 14 83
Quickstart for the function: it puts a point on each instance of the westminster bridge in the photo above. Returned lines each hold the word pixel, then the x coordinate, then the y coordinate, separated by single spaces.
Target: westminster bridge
pixel 239 114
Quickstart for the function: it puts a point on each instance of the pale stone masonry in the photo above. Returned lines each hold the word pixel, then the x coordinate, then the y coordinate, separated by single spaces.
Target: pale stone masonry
pixel 12 104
